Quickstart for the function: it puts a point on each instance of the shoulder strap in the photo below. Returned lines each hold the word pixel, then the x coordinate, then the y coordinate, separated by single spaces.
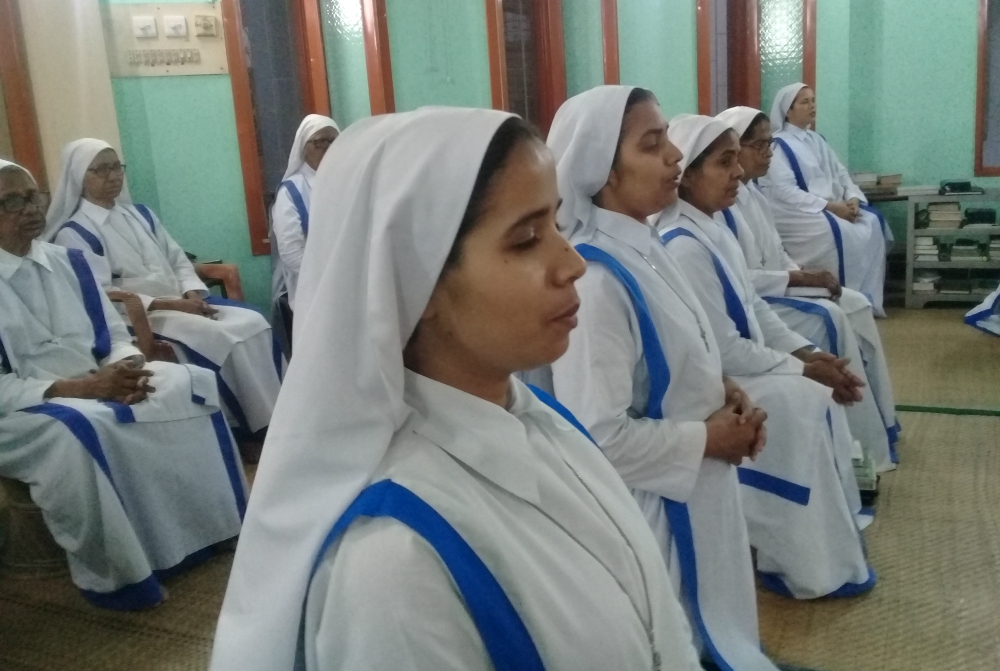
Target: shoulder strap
pixel 88 237
pixel 800 180
pixel 727 214
pixel 504 634
pixel 147 215
pixel 814 309
pixel 734 306
pixel 91 303
pixel 299 203
pixel 656 360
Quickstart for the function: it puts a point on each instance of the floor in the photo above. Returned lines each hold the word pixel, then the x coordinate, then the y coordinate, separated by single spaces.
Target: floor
pixel 935 544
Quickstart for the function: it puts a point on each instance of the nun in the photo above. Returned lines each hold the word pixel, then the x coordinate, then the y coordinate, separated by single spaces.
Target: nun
pixel 131 462
pixel 128 248
pixel 290 212
pixel 643 372
pixel 805 527
pixel 841 323
pixel 822 216
pixel 422 508
pixel 986 316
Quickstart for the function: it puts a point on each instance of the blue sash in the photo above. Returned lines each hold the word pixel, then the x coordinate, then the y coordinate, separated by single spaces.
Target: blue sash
pixel 505 637
pixel 800 181
pixel 92 240
pixel 299 203
pixel 91 303
pixel 734 306
pixel 147 215
pixel 881 220
pixel 727 214
pixel 813 309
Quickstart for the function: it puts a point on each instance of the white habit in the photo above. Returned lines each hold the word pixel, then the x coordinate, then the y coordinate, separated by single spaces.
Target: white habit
pixel 130 492
pixel 986 316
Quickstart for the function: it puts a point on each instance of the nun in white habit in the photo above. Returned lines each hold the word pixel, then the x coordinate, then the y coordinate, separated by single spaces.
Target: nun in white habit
pixel 808 545
pixel 131 462
pixel 643 373
pixel 493 534
pixel 823 218
pixel 129 249
pixel 842 323
pixel 986 315
pixel 290 212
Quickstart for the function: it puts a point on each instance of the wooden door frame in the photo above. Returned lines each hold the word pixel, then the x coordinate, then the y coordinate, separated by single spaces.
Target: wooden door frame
pixel 375 24
pixel 809 43
pixel 609 32
pixel 246 127
pixel 496 44
pixel 307 26
pixel 703 23
pixel 550 60
pixel 18 96
pixel 982 92
pixel 744 52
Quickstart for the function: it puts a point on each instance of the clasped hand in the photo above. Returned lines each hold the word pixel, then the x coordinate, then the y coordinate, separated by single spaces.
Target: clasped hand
pixel 192 303
pixel 736 430
pixel 828 370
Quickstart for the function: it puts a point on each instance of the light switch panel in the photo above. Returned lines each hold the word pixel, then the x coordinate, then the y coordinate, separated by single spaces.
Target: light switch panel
pixel 204 25
pixel 144 26
pixel 175 26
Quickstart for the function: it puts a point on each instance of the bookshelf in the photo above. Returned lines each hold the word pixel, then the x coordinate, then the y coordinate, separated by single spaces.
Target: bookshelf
pixel 917 299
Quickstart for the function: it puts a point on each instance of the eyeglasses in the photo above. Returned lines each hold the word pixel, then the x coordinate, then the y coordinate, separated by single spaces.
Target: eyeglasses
pixel 759 146
pixel 103 171
pixel 16 203
pixel 321 143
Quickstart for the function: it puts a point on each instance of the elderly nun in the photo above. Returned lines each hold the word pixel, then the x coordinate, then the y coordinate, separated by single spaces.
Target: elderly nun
pixel 803 519
pixel 290 212
pixel 823 218
pixel 421 508
pixel 129 249
pixel 643 372
pixel 840 322
pixel 131 462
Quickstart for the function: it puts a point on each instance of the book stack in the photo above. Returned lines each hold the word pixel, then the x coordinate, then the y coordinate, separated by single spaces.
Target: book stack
pixel 967 250
pixel 866 180
pixel 994 249
pixel 925 249
pixel 925 281
pixel 945 215
pixel 920 190
pixel 890 180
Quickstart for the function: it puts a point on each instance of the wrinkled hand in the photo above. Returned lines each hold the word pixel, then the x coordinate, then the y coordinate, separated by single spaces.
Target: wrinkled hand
pixel 192 303
pixel 828 370
pixel 121 381
pixel 855 205
pixel 842 210
pixel 736 430
pixel 815 278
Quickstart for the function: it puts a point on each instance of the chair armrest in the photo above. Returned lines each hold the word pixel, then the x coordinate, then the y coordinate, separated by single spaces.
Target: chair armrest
pixel 147 343
pixel 227 273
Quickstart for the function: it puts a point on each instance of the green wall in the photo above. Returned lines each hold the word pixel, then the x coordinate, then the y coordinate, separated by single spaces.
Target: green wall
pixel 346 71
pixel 439 53
pixel 583 41
pixel 833 71
pixel 657 50
pixel 179 140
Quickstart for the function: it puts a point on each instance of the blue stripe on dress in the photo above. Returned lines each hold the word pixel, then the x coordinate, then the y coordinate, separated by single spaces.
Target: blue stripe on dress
pixel 92 303
pixel 812 308
pixel 300 205
pixel 92 240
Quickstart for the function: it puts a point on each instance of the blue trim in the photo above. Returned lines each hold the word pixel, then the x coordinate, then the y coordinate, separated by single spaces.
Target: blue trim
pixel 123 413
pixel 147 215
pixel 974 318
pixel 727 214
pixel 194 559
pixel 88 237
pixel 734 306
pixel 838 241
pixel 800 179
pixel 867 510
pixel 812 308
pixel 277 355
pixel 4 360
pixel 505 637
pixel 881 219
pixel 774 583
pixel 230 460
pixel 138 596
pixel 212 299
pixel 299 203
pixel 198 400
pixel 82 430
pixel 91 303
pixel 561 410
pixel 656 360
pixel 891 432
pixel 773 485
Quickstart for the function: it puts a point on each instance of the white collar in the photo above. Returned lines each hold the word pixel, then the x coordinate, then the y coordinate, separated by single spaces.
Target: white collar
pixel 9 263
pixel 795 131
pixel 307 173
pixel 699 218
pixel 637 235
pixel 94 212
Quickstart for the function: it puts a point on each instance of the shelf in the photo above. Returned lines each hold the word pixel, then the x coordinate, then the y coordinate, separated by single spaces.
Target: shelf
pixel 927 296
pixel 926 232
pixel 990 195
pixel 987 265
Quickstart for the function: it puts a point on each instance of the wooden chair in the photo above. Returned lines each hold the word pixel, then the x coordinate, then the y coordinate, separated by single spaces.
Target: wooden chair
pixel 226 276
pixel 151 348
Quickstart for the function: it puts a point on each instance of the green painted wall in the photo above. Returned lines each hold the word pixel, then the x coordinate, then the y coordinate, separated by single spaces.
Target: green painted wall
pixel 439 53
pixel 346 70
pixel 583 40
pixel 657 50
pixel 179 140
pixel 833 62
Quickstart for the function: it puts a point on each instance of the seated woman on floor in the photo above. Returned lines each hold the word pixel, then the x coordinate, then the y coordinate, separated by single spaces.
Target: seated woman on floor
pixel 489 533
pixel 841 323
pixel 131 463
pixel 290 215
pixel 823 218
pixel 804 522
pixel 129 249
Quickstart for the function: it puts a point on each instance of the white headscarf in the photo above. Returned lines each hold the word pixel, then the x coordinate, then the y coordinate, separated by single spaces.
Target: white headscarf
pixel 782 103
pixel 390 203
pixel 739 118
pixel 583 138
pixel 693 133
pixel 5 164
pixel 76 158
pixel 312 124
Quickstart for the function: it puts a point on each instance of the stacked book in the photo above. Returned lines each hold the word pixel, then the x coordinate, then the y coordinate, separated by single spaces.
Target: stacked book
pixel 925 249
pixel 925 280
pixel 920 190
pixel 967 250
pixel 945 215
pixel 994 249
pixel 865 180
